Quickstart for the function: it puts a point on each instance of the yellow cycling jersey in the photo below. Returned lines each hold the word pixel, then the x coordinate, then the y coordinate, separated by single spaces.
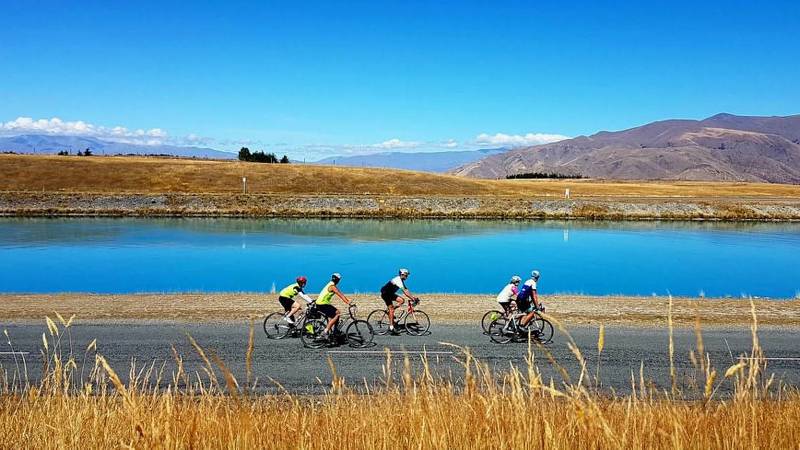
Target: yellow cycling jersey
pixel 326 295
pixel 290 291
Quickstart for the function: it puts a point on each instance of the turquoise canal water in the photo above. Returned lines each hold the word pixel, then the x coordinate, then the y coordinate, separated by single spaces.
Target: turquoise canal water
pixel 179 255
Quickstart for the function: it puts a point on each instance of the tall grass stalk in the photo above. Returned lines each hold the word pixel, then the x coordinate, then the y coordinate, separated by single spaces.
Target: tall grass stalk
pixel 476 408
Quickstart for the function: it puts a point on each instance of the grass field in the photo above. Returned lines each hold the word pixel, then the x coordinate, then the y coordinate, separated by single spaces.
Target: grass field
pixel 25 173
pixel 75 406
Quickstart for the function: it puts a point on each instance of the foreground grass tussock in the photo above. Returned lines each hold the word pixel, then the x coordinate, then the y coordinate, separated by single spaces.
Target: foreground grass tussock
pixel 477 408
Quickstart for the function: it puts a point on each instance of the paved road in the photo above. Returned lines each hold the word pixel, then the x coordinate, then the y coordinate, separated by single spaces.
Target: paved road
pixel 302 370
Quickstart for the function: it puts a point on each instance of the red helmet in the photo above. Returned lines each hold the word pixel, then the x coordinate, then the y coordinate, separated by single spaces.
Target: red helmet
pixel 301 280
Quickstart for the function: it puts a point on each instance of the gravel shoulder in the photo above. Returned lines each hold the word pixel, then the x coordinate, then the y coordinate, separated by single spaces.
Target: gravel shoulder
pixel 570 310
pixel 393 206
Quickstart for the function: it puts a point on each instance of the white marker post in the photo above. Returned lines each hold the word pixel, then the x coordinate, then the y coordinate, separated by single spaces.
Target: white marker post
pixel 244 185
pixel 566 193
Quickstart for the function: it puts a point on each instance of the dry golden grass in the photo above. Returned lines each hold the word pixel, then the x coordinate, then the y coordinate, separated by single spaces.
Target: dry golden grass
pixel 570 309
pixel 477 408
pixel 158 175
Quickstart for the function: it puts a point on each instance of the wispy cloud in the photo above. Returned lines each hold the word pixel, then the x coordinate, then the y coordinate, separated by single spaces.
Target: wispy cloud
pixel 518 140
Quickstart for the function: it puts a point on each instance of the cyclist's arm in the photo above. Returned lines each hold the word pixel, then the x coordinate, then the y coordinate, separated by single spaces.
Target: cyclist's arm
pixel 338 293
pixel 305 297
pixel 535 298
pixel 408 294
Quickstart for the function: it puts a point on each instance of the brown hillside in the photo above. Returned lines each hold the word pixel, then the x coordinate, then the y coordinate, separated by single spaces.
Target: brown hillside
pixel 157 175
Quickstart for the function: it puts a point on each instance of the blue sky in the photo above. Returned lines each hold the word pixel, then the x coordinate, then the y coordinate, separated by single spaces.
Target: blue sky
pixel 316 78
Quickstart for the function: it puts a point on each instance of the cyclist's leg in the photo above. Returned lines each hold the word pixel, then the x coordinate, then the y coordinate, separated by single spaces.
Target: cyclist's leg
pixel 527 308
pixel 388 300
pixel 506 306
pixel 286 303
pixel 332 314
pixel 399 302
pixel 295 309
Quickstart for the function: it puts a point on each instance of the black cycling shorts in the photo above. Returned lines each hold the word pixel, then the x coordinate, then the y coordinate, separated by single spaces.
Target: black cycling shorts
pixel 388 298
pixel 286 302
pixel 328 311
pixel 505 305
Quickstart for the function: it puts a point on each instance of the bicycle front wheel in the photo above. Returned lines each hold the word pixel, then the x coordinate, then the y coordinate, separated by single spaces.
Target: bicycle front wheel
pixel 311 333
pixel 488 318
pixel 359 334
pixel 545 331
pixel 379 321
pixel 417 323
pixel 275 327
pixel 498 332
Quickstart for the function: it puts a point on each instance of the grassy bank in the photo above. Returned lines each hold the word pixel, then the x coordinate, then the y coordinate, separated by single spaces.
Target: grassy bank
pixel 475 408
pixel 443 308
pixel 136 186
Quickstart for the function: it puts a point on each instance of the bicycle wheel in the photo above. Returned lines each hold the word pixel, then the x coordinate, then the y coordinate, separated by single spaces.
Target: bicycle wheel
pixel 275 327
pixel 359 334
pixel 488 318
pixel 498 332
pixel 545 331
pixel 379 321
pixel 417 323
pixel 311 333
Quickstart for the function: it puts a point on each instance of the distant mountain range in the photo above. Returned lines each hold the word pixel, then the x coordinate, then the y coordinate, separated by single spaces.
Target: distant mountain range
pixel 31 143
pixel 422 161
pixel 721 147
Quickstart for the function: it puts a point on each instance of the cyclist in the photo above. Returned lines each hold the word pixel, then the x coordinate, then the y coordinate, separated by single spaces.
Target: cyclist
pixel 528 298
pixel 286 298
pixel 324 303
pixel 389 295
pixel 509 293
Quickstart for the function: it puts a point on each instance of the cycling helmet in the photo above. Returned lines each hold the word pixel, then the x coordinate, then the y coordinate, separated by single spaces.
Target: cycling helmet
pixel 336 276
pixel 535 274
pixel 515 279
pixel 404 272
pixel 301 280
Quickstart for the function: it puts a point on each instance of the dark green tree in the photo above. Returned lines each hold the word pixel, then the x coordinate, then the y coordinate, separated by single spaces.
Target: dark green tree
pixel 244 154
pixel 285 160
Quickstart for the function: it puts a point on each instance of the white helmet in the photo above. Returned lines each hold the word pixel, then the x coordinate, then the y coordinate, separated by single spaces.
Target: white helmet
pixel 404 272
pixel 535 274
pixel 515 279
pixel 336 276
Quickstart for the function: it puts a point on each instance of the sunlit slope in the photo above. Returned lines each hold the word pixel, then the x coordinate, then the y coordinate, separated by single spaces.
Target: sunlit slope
pixel 156 175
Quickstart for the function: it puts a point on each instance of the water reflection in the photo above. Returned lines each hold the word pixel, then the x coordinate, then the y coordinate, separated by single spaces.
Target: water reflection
pixel 158 255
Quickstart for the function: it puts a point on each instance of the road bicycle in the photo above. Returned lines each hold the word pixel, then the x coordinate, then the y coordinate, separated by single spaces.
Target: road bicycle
pixel 493 314
pixel 275 327
pixel 507 329
pixel 414 321
pixel 357 333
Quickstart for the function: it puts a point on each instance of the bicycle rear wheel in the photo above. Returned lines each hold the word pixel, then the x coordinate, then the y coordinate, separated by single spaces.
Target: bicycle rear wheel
pixel 359 334
pixel 275 327
pixel 498 332
pixel 379 321
pixel 417 323
pixel 311 333
pixel 488 318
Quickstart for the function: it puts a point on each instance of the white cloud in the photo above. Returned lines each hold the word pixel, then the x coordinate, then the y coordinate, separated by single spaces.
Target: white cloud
pixel 56 126
pixel 394 144
pixel 450 143
pixel 518 140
